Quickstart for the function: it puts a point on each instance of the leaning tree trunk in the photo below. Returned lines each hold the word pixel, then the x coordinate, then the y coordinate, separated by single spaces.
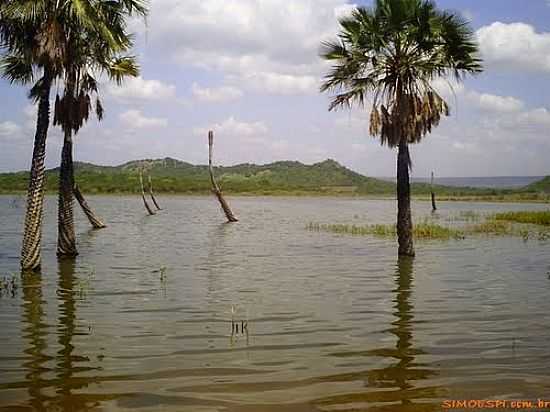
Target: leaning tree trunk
pixel 95 221
pixel 152 195
pixel 434 207
pixel 404 219
pixel 66 239
pixel 30 251
pixel 215 188
pixel 147 207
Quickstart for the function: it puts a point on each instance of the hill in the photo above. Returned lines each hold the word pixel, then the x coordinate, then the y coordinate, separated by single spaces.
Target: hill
pixel 175 176
pixel 284 177
pixel 542 185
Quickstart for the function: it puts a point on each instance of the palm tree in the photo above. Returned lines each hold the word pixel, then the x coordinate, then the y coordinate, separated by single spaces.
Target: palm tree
pixel 392 53
pixel 33 38
pixel 90 54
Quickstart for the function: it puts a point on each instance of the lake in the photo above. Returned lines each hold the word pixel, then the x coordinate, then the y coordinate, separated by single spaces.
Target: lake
pixel 142 320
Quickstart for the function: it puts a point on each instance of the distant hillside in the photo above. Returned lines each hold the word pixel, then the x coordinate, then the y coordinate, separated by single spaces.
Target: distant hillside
pixel 174 176
pixel 542 185
pixel 284 177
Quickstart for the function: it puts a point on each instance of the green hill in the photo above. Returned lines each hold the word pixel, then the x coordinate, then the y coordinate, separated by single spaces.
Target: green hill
pixel 284 177
pixel 542 185
pixel 174 176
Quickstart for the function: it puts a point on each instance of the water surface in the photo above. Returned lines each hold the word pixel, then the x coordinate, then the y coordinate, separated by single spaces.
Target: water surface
pixel 142 319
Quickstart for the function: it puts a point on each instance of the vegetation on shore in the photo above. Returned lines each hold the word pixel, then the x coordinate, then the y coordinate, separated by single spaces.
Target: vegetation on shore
pixel 278 178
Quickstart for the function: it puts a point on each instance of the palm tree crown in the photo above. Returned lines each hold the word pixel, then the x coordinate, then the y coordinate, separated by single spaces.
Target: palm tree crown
pixel 394 51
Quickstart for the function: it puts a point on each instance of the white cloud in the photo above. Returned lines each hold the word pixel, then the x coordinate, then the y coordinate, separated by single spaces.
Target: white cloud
pixel 276 83
pixel 449 89
pixel 9 129
pixel 232 127
pixel 491 102
pixel 135 119
pixel 272 43
pixel 137 88
pixel 514 46
pixel 215 94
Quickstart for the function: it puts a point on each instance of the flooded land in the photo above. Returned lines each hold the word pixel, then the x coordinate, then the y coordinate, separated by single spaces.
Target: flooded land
pixel 182 312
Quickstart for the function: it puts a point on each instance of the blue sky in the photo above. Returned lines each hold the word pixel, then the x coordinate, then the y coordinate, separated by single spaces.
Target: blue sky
pixel 249 70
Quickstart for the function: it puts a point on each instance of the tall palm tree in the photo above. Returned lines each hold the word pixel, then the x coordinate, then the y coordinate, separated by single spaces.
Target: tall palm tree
pixel 33 41
pixel 89 55
pixel 392 53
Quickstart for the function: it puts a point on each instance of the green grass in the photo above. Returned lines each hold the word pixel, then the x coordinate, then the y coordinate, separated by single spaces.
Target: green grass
pixel 533 217
pixel 491 226
pixel 420 231
pixel 427 230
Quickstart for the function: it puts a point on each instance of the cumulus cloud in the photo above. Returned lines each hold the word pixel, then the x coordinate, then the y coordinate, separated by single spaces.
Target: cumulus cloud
pixel 232 127
pixel 276 83
pixel 514 46
pixel 215 94
pixel 9 129
pixel 271 42
pixel 492 102
pixel 135 119
pixel 450 89
pixel 137 88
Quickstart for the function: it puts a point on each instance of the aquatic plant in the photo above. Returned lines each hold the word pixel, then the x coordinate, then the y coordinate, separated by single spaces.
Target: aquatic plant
pixel 534 217
pixel 422 230
pixel 492 226
pixel 429 230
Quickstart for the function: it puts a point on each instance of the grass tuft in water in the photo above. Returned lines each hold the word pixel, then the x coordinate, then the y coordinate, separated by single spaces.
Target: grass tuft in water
pixel 492 227
pixel 428 230
pixel 533 217
pixel 423 230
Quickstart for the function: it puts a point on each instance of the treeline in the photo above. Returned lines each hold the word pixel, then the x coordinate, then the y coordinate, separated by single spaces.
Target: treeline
pixel 293 178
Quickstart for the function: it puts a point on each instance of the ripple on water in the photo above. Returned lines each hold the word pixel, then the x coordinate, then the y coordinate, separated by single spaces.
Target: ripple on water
pixel 334 322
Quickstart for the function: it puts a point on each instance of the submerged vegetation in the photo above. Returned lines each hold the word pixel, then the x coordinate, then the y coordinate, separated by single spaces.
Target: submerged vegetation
pixel 423 230
pixel 533 217
pixel 429 230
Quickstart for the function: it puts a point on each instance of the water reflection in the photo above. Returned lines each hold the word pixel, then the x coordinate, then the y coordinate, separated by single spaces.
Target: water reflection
pixel 401 380
pixel 406 373
pixel 35 333
pixel 54 388
pixel 66 359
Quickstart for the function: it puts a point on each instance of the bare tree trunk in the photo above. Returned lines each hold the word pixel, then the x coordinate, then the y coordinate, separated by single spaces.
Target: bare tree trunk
pixel 95 221
pixel 404 219
pixel 434 208
pixel 215 188
pixel 66 239
pixel 30 250
pixel 149 210
pixel 151 193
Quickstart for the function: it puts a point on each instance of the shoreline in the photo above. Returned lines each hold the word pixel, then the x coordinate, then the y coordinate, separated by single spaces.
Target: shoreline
pixel 539 198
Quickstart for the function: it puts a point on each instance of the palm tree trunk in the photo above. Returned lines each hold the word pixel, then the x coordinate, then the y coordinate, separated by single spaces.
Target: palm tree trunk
pixel 404 219
pixel 434 207
pixel 151 194
pixel 215 188
pixel 147 207
pixel 30 250
pixel 66 239
pixel 95 221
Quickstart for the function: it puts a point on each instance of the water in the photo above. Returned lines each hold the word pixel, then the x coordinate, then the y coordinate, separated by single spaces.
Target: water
pixel 335 323
pixel 494 182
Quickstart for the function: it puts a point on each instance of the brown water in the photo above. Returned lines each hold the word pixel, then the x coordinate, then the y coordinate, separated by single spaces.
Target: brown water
pixel 335 323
